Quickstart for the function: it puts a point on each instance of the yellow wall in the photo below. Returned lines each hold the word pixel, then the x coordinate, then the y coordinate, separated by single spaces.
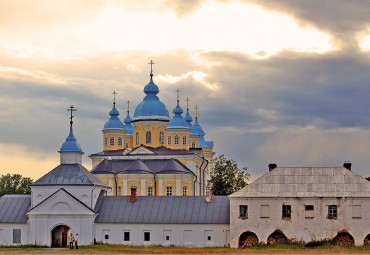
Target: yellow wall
pixel 180 134
pixel 115 134
pixel 155 127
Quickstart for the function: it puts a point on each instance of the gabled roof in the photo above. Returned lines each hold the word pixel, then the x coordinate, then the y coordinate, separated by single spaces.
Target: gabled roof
pixel 14 208
pixel 69 174
pixel 307 182
pixel 164 210
pixel 141 166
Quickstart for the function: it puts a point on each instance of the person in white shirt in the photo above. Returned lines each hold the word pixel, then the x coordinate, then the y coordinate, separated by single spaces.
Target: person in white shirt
pixel 76 241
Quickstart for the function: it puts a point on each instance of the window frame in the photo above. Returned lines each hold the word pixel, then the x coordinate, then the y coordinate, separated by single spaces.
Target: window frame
pixel 185 191
pixel 169 191
pixel 119 141
pixel 176 140
pixel 105 141
pixel 193 145
pixel 243 211
pixel 184 140
pixel 146 236
pixel 148 137
pixel 111 141
pixel 332 212
pixel 17 235
pixel 286 212
pixel 169 140
pixel 137 138
pixel 150 191
pixel 161 137
pixel 124 236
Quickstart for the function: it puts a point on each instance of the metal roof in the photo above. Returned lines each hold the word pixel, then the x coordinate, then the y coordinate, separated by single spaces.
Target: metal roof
pixel 142 166
pixel 164 210
pixel 13 208
pixel 69 174
pixel 307 182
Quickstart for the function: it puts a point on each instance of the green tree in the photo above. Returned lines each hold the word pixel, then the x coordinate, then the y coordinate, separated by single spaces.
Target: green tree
pixel 368 178
pixel 226 177
pixel 14 184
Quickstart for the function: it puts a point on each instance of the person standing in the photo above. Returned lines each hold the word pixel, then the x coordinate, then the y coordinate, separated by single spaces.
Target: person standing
pixel 71 240
pixel 76 241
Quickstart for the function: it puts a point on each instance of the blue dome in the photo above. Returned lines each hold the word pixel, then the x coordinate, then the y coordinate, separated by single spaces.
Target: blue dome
pixel 188 118
pixel 114 122
pixel 128 124
pixel 203 143
pixel 151 106
pixel 177 121
pixel 71 144
pixel 196 129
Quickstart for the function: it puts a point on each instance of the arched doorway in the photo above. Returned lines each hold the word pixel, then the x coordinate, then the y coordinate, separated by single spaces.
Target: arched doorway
pixel 247 239
pixel 277 237
pixel 59 236
pixel 344 238
pixel 367 240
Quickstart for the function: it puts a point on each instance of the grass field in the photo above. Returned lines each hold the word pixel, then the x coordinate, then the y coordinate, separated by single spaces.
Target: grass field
pixel 124 249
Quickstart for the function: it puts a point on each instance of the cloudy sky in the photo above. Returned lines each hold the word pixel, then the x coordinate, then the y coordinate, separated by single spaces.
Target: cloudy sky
pixel 284 82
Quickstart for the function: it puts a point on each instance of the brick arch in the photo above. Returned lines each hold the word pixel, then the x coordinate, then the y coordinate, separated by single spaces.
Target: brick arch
pixel 247 239
pixel 277 237
pixel 343 238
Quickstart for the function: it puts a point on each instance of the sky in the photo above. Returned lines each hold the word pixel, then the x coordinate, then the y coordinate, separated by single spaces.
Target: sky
pixel 283 82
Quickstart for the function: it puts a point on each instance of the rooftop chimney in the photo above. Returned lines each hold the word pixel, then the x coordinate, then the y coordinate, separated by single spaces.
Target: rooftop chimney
pixel 348 165
pixel 133 195
pixel 272 167
pixel 208 193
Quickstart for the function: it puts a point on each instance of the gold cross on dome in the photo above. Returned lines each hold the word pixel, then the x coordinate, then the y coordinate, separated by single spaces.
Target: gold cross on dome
pixel 187 103
pixel 114 97
pixel 196 111
pixel 151 63
pixel 71 109
pixel 178 94
pixel 128 105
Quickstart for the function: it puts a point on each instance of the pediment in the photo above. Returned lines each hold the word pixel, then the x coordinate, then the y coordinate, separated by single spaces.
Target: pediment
pixel 61 203
pixel 142 150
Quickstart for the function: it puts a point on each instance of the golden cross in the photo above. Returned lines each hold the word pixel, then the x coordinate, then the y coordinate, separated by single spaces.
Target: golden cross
pixel 71 109
pixel 114 97
pixel 187 103
pixel 178 94
pixel 151 63
pixel 128 105
pixel 196 111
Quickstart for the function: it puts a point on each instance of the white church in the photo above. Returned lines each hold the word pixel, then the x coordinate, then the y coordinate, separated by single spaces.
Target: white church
pixel 285 204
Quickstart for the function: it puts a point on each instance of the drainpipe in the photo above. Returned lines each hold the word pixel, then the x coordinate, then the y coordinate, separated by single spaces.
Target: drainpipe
pixel 194 185
pixel 92 194
pixel 155 186
pixel 200 177
pixel 205 169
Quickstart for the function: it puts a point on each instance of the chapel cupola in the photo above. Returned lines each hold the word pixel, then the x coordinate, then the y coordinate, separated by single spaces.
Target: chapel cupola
pixel 114 132
pixel 71 152
pixel 128 127
pixel 188 118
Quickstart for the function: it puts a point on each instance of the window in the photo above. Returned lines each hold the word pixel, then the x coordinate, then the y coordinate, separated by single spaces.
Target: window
pixel 111 141
pixel 308 207
pixel 287 212
pixel 124 142
pixel 16 236
pixel 167 238
pixel 137 138
pixel 243 211
pixel 126 236
pixel 119 141
pixel 119 191
pixel 105 141
pixel 209 238
pixel 106 237
pixel 150 191
pixel 332 212
pixel 264 211
pixel 161 137
pixel 184 139
pixel 356 211
pixel 146 236
pixel 169 140
pixel 176 139
pixel 169 191
pixel 193 145
pixel 185 191
pixel 148 137
pixel 309 211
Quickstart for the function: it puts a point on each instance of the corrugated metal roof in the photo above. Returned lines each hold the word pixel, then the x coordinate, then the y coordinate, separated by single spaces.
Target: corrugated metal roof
pixel 142 166
pixel 69 174
pixel 163 209
pixel 307 182
pixel 13 208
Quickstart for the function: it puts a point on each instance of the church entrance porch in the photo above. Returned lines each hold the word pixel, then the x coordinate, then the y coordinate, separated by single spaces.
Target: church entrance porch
pixel 59 236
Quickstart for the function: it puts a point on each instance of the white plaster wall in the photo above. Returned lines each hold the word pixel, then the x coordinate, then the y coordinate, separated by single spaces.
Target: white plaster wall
pixel 6 233
pixel 299 227
pixel 197 237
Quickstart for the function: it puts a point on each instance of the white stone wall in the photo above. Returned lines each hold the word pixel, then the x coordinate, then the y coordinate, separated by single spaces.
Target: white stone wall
pixel 6 233
pixel 179 234
pixel 299 227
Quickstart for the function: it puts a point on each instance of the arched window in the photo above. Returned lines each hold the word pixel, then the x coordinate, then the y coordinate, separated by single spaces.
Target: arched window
pixel 111 141
pixel 176 139
pixel 185 191
pixel 169 140
pixel 137 138
pixel 193 145
pixel 119 141
pixel 161 137
pixel 105 141
pixel 184 139
pixel 148 137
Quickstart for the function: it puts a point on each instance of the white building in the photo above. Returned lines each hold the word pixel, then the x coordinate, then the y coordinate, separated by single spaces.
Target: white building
pixel 301 204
